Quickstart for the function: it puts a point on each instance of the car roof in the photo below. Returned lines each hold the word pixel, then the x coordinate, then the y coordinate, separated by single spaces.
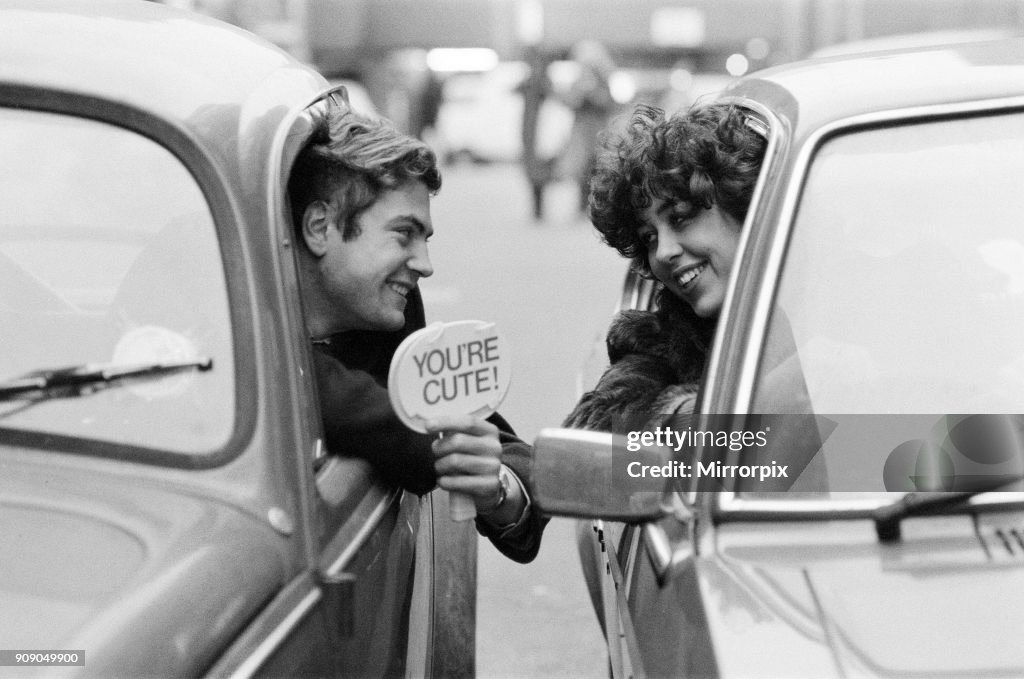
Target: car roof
pixel 813 93
pixel 171 63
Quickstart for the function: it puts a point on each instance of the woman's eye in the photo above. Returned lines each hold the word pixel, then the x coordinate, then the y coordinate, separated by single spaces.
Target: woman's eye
pixel 649 238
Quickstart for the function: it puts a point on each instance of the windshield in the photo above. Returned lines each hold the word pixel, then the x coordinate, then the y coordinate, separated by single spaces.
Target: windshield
pixel 900 313
pixel 108 255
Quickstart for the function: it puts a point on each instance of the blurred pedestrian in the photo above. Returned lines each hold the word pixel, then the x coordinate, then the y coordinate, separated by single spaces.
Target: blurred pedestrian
pixel 430 96
pixel 591 101
pixel 535 89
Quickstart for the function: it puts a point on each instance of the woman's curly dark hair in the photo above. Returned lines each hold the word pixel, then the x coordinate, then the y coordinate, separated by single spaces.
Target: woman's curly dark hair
pixel 706 155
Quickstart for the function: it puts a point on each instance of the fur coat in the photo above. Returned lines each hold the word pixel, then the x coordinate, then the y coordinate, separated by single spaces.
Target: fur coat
pixel 656 362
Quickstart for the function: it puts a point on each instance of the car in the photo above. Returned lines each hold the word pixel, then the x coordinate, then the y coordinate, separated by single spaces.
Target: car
pixel 883 243
pixel 168 507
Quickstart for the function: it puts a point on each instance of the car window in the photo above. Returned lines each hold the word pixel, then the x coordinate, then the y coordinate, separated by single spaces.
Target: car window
pixel 108 255
pixel 902 289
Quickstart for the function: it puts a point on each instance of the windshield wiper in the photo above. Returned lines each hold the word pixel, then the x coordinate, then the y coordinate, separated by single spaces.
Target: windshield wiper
pixel 887 518
pixel 86 379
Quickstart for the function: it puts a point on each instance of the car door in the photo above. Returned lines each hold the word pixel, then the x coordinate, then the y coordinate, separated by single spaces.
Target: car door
pixel 632 570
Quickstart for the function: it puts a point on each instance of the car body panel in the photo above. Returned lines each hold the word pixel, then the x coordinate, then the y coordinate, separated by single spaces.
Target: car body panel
pixel 811 94
pixel 148 567
pixel 818 589
pixel 817 599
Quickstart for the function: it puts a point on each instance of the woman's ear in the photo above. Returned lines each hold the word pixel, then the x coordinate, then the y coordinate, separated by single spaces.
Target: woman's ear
pixel 317 221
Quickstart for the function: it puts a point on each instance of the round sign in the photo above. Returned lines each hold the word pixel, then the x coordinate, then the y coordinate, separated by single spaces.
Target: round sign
pixel 455 368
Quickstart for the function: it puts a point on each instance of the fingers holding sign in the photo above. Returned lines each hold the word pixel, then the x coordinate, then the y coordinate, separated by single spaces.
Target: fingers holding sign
pixel 467 457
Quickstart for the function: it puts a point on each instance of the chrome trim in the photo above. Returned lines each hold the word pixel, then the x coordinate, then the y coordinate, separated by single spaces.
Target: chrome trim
pixel 1000 498
pixel 731 508
pixel 666 558
pixel 775 139
pixel 659 548
pixel 738 509
pixel 419 648
pixel 630 658
pixel 637 292
pixel 369 526
pixel 632 554
pixel 275 192
pixel 778 134
pixel 248 667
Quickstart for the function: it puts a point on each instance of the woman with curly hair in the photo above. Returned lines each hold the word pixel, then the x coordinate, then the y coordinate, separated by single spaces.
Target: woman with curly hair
pixel 670 193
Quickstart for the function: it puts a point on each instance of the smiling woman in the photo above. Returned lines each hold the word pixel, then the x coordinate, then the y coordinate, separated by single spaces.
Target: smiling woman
pixel 670 193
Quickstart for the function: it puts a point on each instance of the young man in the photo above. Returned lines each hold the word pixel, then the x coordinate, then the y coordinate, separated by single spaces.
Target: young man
pixel 360 194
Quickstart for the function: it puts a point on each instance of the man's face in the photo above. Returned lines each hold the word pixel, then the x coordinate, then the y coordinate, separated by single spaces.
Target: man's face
pixel 366 279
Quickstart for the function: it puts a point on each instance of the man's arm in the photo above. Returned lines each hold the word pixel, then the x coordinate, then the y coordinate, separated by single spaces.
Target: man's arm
pixel 360 422
pixel 519 540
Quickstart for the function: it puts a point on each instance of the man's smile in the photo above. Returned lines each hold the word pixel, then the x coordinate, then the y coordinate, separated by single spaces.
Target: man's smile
pixel 400 287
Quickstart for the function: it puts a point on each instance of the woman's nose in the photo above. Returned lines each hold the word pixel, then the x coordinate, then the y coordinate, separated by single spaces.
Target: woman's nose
pixel 668 249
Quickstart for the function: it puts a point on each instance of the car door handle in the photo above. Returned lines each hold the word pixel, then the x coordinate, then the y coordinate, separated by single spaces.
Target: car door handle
pixel 668 554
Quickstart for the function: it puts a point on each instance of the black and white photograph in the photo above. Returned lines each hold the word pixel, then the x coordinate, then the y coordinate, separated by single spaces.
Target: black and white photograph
pixel 511 339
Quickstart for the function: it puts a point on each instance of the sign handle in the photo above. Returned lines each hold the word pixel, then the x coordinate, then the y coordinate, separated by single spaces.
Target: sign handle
pixel 461 506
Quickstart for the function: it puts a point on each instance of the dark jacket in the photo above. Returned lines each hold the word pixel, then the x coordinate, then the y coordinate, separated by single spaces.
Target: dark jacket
pixel 351 374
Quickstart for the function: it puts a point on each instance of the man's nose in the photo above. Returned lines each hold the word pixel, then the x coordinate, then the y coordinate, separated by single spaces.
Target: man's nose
pixel 420 261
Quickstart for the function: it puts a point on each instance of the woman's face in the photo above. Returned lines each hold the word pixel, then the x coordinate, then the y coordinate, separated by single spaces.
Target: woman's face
pixel 691 250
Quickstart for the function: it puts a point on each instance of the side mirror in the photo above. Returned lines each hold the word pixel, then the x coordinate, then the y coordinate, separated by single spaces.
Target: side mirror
pixel 573 477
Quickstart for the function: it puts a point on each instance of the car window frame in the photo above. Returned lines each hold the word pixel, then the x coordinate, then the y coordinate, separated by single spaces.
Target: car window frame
pixel 348 504
pixel 212 184
pixel 752 293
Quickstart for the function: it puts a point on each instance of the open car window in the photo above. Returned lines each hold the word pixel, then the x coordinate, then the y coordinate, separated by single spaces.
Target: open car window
pixel 109 257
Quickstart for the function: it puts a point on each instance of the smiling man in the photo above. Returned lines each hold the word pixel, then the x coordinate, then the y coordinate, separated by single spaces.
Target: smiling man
pixel 360 196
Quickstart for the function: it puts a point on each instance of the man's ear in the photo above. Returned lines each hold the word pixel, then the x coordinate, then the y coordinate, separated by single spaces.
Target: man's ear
pixel 317 221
